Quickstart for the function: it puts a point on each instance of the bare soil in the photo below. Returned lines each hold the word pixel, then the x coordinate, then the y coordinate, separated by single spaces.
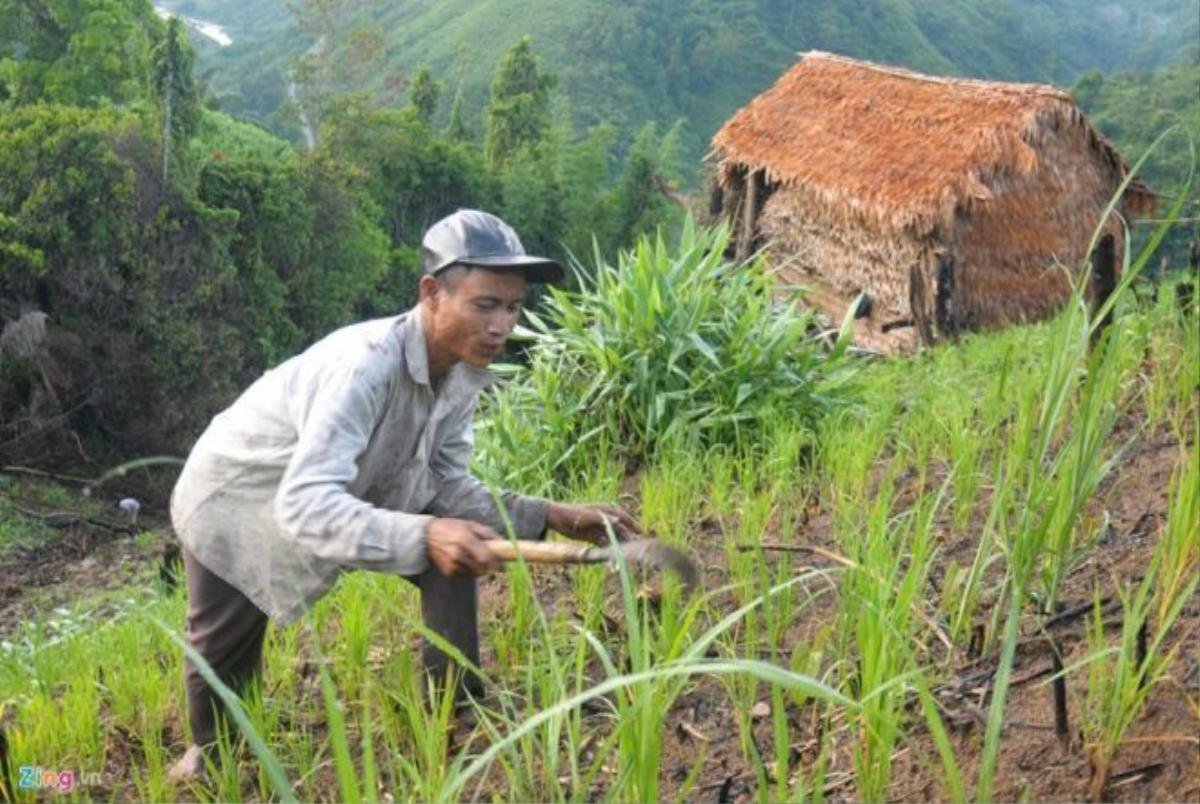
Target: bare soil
pixel 81 556
pixel 1159 761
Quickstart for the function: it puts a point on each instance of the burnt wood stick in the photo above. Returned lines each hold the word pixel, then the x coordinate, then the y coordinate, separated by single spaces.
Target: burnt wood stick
pixel 1062 725
pixel 1076 611
pixel 1141 653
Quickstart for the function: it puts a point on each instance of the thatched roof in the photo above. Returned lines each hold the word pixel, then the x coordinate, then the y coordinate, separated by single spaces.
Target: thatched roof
pixel 899 148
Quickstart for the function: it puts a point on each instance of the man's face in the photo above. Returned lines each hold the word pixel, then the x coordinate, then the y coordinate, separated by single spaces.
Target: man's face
pixel 472 316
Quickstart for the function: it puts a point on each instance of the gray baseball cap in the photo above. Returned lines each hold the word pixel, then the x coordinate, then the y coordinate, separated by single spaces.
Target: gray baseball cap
pixel 479 239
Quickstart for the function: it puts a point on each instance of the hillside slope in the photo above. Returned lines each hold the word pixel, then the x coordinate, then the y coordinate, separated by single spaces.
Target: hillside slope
pixel 667 59
pixel 1133 110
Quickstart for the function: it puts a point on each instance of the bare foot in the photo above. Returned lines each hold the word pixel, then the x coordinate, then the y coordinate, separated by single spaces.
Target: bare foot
pixel 189 767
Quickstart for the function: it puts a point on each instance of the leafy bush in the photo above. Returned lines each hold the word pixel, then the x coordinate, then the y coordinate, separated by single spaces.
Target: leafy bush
pixel 658 346
pixel 161 300
pixel 173 253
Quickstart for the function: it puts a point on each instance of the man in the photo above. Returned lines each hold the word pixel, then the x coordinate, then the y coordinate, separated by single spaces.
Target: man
pixel 354 455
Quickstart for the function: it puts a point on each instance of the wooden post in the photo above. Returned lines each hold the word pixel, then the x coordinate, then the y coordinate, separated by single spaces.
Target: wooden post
pixel 1104 281
pixel 732 198
pixel 916 300
pixel 716 199
pixel 947 320
pixel 749 214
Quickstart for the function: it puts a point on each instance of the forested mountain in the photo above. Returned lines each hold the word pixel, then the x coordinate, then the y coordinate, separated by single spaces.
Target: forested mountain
pixel 1134 110
pixel 1115 35
pixel 157 254
pixel 629 62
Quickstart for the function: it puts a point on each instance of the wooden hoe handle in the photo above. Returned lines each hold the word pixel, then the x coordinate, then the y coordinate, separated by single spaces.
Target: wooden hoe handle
pixel 546 552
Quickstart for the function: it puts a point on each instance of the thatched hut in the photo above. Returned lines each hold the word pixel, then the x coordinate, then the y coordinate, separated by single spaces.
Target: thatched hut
pixel 953 204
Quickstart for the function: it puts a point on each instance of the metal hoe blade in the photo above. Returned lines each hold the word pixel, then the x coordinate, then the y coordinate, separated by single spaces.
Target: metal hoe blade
pixel 653 554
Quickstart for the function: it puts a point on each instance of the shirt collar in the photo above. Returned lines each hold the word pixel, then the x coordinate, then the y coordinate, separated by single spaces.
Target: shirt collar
pixel 462 376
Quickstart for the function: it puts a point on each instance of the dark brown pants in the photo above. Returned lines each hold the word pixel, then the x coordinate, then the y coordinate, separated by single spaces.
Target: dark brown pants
pixel 227 630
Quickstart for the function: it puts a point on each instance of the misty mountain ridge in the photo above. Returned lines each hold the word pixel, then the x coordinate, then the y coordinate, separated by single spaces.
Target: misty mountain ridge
pixel 631 62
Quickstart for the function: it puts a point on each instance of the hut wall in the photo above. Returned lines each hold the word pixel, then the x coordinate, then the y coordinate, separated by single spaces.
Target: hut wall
pixel 848 255
pixel 1017 254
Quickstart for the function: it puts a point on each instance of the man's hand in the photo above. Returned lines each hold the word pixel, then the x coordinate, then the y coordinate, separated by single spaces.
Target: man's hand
pixel 586 522
pixel 456 547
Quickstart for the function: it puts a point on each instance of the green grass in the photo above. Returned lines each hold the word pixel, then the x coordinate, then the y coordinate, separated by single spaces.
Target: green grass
pixel 18 531
pixel 1119 680
pixel 847 647
pixel 19 496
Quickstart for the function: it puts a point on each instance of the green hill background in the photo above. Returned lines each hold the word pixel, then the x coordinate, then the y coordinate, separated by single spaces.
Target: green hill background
pixel 631 62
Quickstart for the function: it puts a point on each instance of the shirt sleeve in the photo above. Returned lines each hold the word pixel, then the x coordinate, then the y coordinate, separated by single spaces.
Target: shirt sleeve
pixel 461 495
pixel 335 412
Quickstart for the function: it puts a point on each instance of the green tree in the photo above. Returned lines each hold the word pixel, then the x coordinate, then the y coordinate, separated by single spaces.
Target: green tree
pixel 532 194
pixel 518 114
pixel 346 71
pixel 174 89
pixel 81 52
pixel 1132 110
pixel 423 94
pixel 413 177
pixel 456 127
pixel 641 201
pixel 587 204
pixel 163 300
pixel 120 276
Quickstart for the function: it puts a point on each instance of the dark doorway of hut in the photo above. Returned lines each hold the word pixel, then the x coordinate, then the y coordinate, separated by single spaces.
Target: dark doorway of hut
pixel 1103 283
pixel 741 205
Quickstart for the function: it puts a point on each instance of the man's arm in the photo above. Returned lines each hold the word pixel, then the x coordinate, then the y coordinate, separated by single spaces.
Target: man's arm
pixel 462 495
pixel 335 413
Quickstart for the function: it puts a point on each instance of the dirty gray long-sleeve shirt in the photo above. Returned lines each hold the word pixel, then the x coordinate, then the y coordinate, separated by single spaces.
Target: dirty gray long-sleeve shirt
pixel 337 459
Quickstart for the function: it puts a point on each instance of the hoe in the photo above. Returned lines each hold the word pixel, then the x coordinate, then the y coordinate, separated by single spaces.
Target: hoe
pixel 644 554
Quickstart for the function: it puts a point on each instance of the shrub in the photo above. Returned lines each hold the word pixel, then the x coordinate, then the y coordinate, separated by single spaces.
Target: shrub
pixel 659 345
pixel 161 301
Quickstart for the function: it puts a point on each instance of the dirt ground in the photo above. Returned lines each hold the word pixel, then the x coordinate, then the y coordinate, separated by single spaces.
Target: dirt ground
pixel 1160 760
pixel 81 555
